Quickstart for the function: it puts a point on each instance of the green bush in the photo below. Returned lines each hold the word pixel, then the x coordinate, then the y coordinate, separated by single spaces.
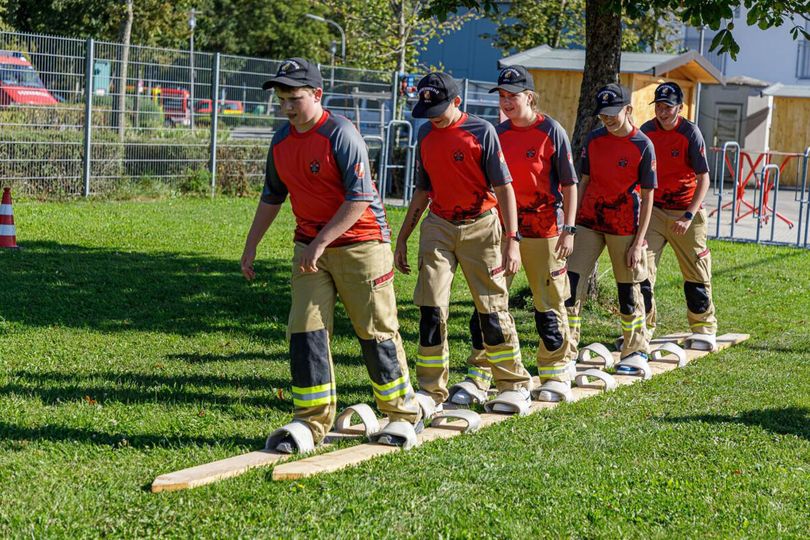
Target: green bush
pixel 195 182
pixel 148 114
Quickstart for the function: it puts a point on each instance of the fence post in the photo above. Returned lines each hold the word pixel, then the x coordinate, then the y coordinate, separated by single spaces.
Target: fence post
pixel 394 98
pixel 88 113
pixel 212 164
pixel 464 93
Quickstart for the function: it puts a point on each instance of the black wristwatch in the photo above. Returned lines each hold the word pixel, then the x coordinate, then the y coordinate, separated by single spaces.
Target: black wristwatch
pixel 688 215
pixel 516 236
pixel 570 229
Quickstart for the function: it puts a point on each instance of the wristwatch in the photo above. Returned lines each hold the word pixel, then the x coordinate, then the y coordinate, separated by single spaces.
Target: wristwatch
pixel 570 229
pixel 516 236
pixel 688 215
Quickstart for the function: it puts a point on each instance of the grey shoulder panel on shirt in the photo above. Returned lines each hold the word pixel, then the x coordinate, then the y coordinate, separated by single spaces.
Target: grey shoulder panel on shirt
pixel 648 126
pixel 642 142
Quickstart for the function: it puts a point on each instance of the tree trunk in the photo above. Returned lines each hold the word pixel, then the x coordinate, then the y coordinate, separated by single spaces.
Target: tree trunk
pixel 126 32
pixel 603 51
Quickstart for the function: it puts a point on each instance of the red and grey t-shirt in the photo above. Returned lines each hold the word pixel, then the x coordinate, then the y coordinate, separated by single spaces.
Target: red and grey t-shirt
pixel 539 158
pixel 458 165
pixel 681 155
pixel 320 169
pixel 619 167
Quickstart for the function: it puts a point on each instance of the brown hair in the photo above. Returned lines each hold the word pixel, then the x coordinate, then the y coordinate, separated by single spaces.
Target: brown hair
pixel 535 101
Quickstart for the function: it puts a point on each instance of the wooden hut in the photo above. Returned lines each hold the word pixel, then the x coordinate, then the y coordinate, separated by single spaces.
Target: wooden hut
pixel 788 126
pixel 558 77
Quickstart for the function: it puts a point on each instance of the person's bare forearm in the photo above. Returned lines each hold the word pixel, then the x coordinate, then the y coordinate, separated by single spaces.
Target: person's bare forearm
pixel 264 217
pixel 644 215
pixel 508 206
pixel 570 204
pixel 419 203
pixel 700 193
pixel 347 215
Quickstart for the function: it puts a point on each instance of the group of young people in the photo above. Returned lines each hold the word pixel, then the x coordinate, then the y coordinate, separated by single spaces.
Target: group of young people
pixel 497 198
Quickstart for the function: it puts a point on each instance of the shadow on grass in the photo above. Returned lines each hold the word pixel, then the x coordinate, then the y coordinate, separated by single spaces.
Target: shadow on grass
pixel 785 421
pixel 55 433
pixel 132 388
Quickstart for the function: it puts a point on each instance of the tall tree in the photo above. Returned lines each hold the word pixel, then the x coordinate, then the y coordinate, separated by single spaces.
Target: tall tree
pixel 603 48
pixel 389 34
pixel 124 37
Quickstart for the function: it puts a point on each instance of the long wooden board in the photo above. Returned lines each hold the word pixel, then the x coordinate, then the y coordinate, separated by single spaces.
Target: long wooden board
pixel 236 465
pixel 347 457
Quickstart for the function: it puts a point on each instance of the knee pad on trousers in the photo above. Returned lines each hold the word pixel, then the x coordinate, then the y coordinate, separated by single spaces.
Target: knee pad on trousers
pixel 309 358
pixel 476 337
pixel 627 300
pixel 647 294
pixel 430 327
pixel 549 330
pixel 491 329
pixel 573 279
pixel 381 360
pixel 697 297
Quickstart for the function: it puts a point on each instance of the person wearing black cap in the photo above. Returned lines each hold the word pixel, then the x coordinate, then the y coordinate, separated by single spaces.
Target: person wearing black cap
pixel 615 201
pixel 461 172
pixel 538 154
pixel 677 217
pixel 342 248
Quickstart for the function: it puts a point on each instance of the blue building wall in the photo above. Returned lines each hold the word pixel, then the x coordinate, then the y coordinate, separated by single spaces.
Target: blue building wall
pixel 464 53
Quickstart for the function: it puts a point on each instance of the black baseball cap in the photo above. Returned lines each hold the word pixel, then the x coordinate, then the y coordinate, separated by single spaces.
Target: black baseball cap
pixel 669 93
pixel 295 72
pixel 436 91
pixel 611 99
pixel 514 79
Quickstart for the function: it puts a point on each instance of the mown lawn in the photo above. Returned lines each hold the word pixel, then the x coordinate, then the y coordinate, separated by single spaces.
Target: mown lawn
pixel 130 346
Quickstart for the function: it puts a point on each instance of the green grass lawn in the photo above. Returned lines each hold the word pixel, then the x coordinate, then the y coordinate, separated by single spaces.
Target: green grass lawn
pixel 130 346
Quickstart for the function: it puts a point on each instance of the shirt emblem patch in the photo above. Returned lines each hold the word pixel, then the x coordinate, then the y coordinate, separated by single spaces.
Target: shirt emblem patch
pixel 458 155
pixel 531 152
pixel 623 162
pixel 314 166
pixel 360 170
pixel 676 152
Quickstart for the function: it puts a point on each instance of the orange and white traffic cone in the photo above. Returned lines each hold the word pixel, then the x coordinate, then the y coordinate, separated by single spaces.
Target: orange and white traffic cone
pixel 8 235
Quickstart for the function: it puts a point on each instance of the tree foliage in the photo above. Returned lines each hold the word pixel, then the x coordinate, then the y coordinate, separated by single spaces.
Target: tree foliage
pixel 716 14
pixel 561 24
pixel 389 34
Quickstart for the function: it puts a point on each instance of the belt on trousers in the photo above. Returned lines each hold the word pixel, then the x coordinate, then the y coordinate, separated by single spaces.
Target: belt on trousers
pixel 468 221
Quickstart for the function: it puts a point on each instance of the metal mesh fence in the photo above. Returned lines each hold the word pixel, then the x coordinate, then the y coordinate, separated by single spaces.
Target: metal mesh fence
pixel 165 117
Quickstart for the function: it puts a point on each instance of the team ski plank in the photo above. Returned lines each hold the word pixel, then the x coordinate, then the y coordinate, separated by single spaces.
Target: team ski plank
pixel 347 457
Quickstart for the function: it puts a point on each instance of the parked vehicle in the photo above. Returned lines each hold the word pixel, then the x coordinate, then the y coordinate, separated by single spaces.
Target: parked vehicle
pixel 229 107
pixel 19 82
pixel 175 105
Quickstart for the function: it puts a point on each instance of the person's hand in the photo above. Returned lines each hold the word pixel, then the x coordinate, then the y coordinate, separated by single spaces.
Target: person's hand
pixel 248 256
pixel 511 256
pixel 634 254
pixel 681 225
pixel 565 245
pixel 310 256
pixel 401 258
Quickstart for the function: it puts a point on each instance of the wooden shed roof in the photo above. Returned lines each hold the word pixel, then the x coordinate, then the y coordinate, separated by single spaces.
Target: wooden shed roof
pixel 544 57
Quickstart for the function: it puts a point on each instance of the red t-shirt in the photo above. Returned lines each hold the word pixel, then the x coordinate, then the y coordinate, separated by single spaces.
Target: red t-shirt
pixel 458 165
pixel 618 168
pixel 320 169
pixel 539 158
pixel 681 155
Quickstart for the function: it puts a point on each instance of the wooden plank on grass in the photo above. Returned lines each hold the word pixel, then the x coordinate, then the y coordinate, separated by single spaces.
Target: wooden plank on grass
pixel 347 457
pixel 236 465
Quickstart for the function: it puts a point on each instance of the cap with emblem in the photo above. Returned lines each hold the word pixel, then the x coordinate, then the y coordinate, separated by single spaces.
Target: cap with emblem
pixel 514 79
pixel 295 72
pixel 669 93
pixel 436 91
pixel 611 99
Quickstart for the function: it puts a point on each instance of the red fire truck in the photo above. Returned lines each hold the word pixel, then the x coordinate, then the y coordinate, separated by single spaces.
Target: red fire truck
pixel 19 82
